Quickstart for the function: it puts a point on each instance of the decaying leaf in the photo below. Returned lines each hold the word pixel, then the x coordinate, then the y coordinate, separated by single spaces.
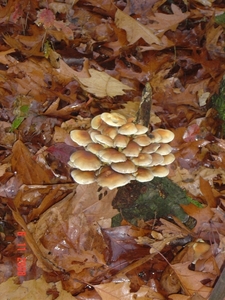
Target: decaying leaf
pixel 134 29
pixel 33 289
pixel 102 85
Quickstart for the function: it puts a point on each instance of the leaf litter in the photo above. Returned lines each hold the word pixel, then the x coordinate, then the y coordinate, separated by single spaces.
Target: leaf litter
pixel 61 64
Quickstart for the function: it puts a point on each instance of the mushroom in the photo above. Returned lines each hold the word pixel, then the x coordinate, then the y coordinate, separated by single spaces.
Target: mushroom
pixel 116 151
pixel 111 155
pixel 144 175
pixel 142 160
pixel 164 149
pixel 83 177
pixel 166 135
pixel 124 167
pixel 108 130
pixel 111 179
pixel 141 129
pixel 96 122
pixel 94 148
pixel 150 148
pixel 128 129
pixel 142 140
pixel 85 161
pixel 168 159
pixel 104 140
pixel 132 149
pixel 157 159
pixel 159 171
pixel 114 119
pixel 121 141
pixel 81 137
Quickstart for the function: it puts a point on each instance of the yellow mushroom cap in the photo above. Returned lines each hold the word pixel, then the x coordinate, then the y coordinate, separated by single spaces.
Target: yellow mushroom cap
pixel 114 119
pixel 168 159
pixel 96 122
pixel 166 135
pixel 111 179
pixel 143 160
pixel 125 167
pixel 85 161
pixel 128 129
pixel 108 130
pixel 144 175
pixel 111 155
pixel 150 148
pixel 83 177
pixel 81 137
pixel 94 148
pixel 141 129
pixel 132 149
pixel 142 140
pixel 104 140
pixel 159 171
pixel 164 149
pixel 157 159
pixel 120 141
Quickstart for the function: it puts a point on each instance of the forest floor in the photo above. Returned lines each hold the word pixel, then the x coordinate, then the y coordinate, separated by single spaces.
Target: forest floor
pixel 63 63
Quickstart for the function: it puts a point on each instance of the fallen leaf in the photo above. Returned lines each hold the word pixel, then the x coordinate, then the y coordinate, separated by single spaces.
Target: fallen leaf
pixel 102 85
pixel 134 29
pixel 26 167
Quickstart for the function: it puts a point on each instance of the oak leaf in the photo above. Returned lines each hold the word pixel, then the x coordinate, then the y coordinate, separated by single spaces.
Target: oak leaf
pixel 101 84
pixel 134 29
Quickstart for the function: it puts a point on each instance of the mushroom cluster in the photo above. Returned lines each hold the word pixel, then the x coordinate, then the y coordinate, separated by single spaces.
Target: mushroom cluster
pixel 116 151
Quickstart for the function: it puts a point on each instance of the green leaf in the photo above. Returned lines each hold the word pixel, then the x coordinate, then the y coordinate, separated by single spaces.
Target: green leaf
pixel 16 123
pixel 220 19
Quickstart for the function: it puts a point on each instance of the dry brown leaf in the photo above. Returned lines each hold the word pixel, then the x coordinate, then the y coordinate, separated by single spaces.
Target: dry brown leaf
pixel 32 289
pixel 26 167
pixel 163 22
pixel 134 29
pixel 102 85
pixel 191 280
pixel 121 290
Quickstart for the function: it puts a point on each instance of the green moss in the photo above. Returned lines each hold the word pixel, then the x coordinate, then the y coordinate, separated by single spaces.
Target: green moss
pixel 159 198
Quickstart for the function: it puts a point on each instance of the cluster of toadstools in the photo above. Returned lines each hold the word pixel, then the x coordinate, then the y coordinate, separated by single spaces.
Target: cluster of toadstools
pixel 115 151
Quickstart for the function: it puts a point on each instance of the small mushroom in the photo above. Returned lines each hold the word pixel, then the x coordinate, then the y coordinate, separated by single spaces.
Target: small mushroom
pixel 159 171
pixel 128 129
pixel 132 149
pixel 111 155
pixel 142 140
pixel 126 167
pixel 141 129
pixel 111 179
pixel 120 141
pixel 150 148
pixel 166 135
pixel 104 140
pixel 113 119
pixel 164 149
pixel 154 137
pixel 142 160
pixel 144 175
pixel 96 122
pixel 157 159
pixel 81 137
pixel 168 159
pixel 94 148
pixel 83 177
pixel 108 130
pixel 85 161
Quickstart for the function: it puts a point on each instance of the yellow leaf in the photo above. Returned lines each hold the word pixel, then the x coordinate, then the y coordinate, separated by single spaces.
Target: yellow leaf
pixel 134 29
